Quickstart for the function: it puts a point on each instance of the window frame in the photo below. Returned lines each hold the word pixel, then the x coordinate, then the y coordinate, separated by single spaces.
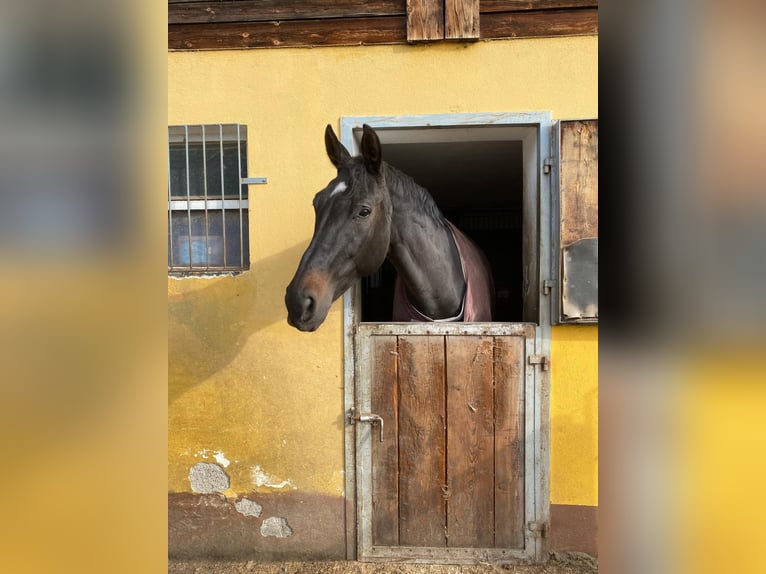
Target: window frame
pixel 193 204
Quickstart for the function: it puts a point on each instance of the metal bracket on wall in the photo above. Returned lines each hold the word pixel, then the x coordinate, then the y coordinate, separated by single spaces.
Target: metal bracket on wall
pixel 253 180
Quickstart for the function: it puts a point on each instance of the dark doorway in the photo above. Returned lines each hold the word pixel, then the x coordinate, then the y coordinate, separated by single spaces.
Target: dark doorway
pixel 478 185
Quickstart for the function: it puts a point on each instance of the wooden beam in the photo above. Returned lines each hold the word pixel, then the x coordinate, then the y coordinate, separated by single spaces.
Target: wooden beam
pixel 461 19
pixel 539 24
pixel 425 20
pixel 197 12
pixel 488 6
pixel 368 30
pixel 236 35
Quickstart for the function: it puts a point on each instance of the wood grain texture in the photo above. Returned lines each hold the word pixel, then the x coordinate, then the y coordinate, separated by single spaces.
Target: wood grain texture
pixel 461 19
pixel 193 29
pixel 488 6
pixel 470 442
pixel 425 20
pixel 195 11
pixel 450 472
pixel 385 454
pixel 579 180
pixel 422 437
pixel 352 31
pixel 539 24
pixel 509 442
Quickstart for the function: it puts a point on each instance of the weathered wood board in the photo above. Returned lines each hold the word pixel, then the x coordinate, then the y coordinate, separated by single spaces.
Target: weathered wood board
pixel 450 470
pixel 579 180
pixel 461 19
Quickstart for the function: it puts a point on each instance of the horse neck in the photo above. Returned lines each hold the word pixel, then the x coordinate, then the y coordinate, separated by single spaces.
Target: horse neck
pixel 423 250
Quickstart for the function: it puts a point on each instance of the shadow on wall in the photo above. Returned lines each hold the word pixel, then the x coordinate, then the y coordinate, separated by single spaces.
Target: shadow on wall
pixel 208 326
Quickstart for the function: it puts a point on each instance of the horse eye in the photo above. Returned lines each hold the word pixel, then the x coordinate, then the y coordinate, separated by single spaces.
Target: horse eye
pixel 364 212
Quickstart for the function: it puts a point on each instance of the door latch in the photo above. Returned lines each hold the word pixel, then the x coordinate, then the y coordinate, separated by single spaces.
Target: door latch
pixel 353 417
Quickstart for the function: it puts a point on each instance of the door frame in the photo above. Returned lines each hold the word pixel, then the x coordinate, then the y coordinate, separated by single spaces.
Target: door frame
pixel 538 182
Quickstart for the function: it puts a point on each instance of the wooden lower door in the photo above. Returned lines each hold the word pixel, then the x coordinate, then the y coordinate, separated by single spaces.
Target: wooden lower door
pixel 444 456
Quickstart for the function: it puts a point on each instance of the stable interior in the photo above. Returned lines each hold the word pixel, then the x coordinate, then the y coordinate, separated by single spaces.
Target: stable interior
pixel 479 186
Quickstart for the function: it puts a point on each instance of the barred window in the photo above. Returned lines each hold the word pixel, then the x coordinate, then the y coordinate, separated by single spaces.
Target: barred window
pixel 207 199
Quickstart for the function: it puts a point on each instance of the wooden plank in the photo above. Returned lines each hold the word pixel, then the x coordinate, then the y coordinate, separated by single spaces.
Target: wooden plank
pixel 352 31
pixel 539 24
pixel 195 11
pixel 422 436
pixel 579 180
pixel 425 20
pixel 461 19
pixel 470 442
pixel 509 442
pixel 385 454
pixel 488 6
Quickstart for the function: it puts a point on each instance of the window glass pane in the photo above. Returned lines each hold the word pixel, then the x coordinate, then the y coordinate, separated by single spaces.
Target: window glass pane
pixel 231 169
pixel 177 168
pixel 197 250
pixel 234 239
pixel 213 158
pixel 196 163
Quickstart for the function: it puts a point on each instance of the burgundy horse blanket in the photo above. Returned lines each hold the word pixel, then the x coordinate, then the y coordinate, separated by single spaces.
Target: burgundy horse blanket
pixel 479 294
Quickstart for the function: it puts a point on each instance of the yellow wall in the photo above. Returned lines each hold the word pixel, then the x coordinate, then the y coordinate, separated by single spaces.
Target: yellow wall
pixel 574 415
pixel 242 382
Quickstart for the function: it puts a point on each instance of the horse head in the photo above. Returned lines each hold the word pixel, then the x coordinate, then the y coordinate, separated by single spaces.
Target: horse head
pixel 352 231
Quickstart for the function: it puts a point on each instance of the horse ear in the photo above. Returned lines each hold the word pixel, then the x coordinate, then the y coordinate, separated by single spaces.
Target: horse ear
pixel 371 151
pixel 336 151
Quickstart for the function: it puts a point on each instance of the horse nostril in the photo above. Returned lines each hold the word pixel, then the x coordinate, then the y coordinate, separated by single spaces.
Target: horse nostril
pixel 309 304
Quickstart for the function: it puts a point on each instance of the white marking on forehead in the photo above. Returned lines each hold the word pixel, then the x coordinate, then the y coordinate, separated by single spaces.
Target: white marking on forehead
pixel 339 188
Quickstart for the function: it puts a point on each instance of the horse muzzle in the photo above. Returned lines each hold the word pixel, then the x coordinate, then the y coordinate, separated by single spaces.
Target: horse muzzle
pixel 308 300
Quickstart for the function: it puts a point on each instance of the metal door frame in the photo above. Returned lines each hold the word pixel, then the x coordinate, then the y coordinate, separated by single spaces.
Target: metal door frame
pixel 537 376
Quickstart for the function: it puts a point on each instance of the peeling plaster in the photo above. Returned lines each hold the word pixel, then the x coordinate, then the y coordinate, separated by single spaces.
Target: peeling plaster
pixel 207 478
pixel 261 478
pixel 248 507
pixel 221 459
pixel 276 526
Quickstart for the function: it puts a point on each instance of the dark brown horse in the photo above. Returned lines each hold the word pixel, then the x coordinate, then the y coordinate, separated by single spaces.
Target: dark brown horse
pixel 371 211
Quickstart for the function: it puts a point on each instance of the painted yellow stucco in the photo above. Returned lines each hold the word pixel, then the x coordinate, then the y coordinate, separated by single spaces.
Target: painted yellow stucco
pixel 574 415
pixel 244 386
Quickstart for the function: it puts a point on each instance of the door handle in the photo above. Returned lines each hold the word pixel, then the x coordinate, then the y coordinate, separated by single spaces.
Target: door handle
pixel 352 416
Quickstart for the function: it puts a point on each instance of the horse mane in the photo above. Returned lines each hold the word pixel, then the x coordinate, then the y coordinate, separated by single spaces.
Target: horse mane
pixel 420 196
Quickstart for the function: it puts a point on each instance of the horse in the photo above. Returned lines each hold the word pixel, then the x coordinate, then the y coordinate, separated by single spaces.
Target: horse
pixel 371 211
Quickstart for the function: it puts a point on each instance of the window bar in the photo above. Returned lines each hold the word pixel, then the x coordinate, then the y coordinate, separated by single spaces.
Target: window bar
pixel 170 211
pixel 223 209
pixel 239 189
pixel 188 198
pixel 204 186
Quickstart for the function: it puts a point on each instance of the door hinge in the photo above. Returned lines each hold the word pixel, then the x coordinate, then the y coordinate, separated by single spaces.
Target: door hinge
pixel 547 166
pixel 541 360
pixel 537 527
pixel 547 286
